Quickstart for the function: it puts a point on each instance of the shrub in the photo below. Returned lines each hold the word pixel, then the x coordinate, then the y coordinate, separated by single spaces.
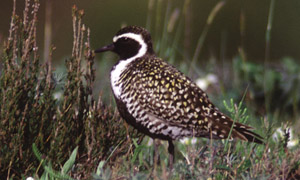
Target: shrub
pixel 30 113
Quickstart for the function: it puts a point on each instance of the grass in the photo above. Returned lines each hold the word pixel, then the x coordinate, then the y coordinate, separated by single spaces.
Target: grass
pixel 77 136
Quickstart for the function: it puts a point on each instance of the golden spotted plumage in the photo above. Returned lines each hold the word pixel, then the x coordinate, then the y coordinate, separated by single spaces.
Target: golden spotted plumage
pixel 160 101
pixel 172 99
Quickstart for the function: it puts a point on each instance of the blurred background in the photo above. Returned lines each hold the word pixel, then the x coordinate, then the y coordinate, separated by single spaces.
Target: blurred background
pixel 105 17
pixel 223 45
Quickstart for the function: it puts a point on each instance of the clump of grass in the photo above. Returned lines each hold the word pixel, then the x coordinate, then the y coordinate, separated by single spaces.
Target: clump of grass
pixel 49 173
pixel 281 84
pixel 216 159
pixel 30 112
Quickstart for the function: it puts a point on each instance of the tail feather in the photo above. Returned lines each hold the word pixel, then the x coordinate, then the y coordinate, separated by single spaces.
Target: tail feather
pixel 249 135
pixel 221 129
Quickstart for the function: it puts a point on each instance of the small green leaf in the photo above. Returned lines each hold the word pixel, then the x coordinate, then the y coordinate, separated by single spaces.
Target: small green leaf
pixel 53 174
pixel 36 152
pixel 100 167
pixel 137 151
pixel 70 162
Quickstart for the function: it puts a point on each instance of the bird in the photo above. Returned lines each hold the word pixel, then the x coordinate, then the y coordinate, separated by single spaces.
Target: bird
pixel 160 101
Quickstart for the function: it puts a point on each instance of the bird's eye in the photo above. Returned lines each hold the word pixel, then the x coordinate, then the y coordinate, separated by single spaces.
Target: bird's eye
pixel 125 39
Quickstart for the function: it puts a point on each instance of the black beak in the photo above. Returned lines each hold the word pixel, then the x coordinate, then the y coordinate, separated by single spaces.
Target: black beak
pixel 110 47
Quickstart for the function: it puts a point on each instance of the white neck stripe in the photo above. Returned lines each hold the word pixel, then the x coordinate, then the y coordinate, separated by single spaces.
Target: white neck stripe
pixel 123 63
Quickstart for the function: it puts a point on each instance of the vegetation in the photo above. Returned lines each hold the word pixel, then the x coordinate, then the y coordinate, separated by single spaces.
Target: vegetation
pixel 36 108
pixel 53 127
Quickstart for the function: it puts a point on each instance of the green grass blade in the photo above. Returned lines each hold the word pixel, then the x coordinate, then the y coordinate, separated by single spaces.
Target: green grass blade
pixel 202 37
pixel 70 162
pixel 36 152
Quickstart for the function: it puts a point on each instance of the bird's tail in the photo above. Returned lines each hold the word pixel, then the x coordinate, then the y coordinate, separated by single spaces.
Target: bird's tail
pixel 246 134
pixel 225 127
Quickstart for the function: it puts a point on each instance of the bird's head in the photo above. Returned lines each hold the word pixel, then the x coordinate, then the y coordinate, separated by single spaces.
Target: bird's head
pixel 129 42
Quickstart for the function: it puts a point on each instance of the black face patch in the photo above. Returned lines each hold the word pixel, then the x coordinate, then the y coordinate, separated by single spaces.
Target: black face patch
pixel 126 47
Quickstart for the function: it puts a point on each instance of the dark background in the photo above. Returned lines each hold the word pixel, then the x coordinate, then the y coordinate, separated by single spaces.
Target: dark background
pixel 105 17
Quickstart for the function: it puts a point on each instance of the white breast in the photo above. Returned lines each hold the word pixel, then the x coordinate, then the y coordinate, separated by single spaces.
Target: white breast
pixel 122 64
pixel 115 76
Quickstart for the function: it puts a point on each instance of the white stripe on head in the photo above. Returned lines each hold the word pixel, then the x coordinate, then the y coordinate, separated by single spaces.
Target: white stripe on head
pixel 136 37
pixel 122 64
